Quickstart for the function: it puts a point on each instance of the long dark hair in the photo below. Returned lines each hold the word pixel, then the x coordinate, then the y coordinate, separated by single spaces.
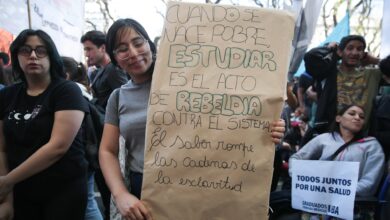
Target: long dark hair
pixel 111 36
pixel 56 65
pixel 335 127
pixel 77 71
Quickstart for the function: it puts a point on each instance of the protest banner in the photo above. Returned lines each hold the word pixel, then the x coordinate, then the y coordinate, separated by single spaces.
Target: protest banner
pixel 63 21
pixel 329 192
pixel 219 81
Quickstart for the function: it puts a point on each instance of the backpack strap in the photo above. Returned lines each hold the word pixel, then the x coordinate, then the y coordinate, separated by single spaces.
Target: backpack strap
pixel 98 75
pixel 341 148
pixel 345 145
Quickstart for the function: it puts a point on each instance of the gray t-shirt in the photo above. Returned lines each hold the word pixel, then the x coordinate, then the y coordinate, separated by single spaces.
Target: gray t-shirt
pixel 127 109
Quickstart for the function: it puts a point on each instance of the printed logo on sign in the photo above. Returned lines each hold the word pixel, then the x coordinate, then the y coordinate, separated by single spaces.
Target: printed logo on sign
pixel 331 193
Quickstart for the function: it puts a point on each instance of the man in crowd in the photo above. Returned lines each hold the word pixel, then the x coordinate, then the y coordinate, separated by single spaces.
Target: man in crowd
pixel 103 81
pixel 352 81
pixel 106 77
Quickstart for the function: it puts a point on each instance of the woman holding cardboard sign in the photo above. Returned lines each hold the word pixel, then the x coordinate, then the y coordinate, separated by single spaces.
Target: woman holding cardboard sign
pixel 347 143
pixel 130 47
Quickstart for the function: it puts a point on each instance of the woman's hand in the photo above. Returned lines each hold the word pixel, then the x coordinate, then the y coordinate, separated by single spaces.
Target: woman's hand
pixel 131 208
pixel 5 188
pixel 277 131
pixel 6 210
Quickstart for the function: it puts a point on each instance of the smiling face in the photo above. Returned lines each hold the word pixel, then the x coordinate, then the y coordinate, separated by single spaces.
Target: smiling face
pixel 31 64
pixel 352 54
pixel 352 119
pixel 133 54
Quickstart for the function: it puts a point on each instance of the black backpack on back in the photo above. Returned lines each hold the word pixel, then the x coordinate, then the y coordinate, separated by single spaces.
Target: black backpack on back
pixel 321 64
pixel 93 130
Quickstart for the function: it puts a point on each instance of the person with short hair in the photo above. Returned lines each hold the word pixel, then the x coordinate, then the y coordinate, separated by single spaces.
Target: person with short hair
pixel 106 77
pixel 352 81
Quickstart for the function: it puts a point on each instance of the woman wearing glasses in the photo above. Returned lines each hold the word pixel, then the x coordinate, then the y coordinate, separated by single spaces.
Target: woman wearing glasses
pixel 42 166
pixel 130 47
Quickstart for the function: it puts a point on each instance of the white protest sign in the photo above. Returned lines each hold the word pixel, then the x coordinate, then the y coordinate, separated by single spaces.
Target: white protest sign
pixel 324 187
pixel 63 21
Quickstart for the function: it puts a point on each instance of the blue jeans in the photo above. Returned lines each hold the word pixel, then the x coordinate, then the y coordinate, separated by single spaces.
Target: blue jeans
pixel 92 211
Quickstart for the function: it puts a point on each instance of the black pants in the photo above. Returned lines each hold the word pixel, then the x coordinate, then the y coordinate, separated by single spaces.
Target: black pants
pixel 61 202
pixel 136 184
pixel 277 169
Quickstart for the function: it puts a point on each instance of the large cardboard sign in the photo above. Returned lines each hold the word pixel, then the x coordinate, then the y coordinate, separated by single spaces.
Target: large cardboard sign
pixel 330 192
pixel 219 82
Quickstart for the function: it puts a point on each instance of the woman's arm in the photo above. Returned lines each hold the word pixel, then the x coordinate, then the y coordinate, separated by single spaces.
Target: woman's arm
pixel 310 151
pixel 129 206
pixel 6 206
pixel 109 162
pixel 372 170
pixel 66 125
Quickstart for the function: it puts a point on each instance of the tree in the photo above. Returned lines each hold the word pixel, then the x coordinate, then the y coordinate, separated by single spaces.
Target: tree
pixel 100 15
pixel 362 21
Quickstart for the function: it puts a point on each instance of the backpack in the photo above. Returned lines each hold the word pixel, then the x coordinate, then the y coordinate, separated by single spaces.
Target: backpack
pixel 93 130
pixel 320 62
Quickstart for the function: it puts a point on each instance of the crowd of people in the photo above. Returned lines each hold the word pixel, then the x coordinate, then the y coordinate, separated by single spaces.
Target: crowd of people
pixel 339 113
pixel 53 154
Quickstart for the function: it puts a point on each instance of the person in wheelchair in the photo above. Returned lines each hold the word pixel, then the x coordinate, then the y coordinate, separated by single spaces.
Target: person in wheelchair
pixel 347 132
pixel 347 142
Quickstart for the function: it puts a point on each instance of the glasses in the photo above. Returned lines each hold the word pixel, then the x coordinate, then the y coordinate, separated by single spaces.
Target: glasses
pixel 40 51
pixel 138 44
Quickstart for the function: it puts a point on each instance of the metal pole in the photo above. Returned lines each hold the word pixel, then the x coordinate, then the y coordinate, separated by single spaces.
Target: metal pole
pixel 29 13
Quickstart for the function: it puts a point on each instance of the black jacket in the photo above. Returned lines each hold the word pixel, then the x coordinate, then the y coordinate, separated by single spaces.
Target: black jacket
pixel 321 64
